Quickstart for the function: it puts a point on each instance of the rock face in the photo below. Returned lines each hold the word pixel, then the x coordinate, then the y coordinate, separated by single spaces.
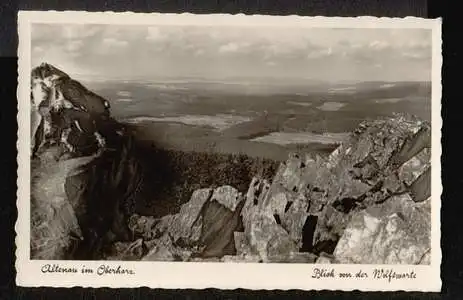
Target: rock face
pixel 54 225
pixel 396 232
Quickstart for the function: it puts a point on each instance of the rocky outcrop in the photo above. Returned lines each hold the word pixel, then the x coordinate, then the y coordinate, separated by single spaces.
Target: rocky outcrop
pixel 368 202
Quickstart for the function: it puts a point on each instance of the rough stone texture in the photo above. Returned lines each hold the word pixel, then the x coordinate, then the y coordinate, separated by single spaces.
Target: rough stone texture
pixel 396 232
pixel 241 244
pixel 218 227
pixel 227 196
pixel 416 166
pixel 182 225
pixel 267 238
pixel 203 229
pixel 263 210
pixel 369 169
pixel 161 249
pixel 294 217
pixel 54 225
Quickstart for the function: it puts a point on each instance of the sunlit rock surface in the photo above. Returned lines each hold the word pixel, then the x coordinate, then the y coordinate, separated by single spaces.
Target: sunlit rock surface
pixel 396 232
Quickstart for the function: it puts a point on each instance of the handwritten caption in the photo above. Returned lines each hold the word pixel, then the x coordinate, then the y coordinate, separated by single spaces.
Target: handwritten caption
pixel 100 270
pixel 380 274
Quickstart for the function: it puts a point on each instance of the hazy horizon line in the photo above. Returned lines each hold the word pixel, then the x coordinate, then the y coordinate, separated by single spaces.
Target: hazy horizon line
pixel 236 78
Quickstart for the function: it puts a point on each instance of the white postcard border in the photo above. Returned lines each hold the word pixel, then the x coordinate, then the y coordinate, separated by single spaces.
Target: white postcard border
pixel 208 274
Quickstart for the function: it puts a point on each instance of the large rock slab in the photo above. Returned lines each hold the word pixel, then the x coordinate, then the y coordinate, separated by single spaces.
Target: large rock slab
pixel 218 227
pixel 263 212
pixel 396 232
pixel 203 228
pixel 185 225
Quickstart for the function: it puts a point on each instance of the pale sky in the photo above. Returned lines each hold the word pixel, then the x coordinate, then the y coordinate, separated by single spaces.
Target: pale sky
pixel 134 51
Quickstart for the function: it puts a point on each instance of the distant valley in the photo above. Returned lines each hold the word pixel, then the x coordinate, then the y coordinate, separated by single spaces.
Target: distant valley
pixel 255 118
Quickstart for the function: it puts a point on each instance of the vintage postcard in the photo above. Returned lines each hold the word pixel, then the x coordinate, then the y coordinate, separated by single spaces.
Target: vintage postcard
pixel 228 151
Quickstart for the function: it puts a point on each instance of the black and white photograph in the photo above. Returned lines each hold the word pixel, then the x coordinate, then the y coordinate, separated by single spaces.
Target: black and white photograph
pixel 231 143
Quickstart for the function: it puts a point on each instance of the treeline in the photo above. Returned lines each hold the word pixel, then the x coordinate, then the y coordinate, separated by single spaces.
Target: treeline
pixel 173 175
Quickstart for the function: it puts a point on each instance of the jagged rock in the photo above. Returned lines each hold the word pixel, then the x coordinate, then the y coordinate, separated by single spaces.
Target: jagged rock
pixel 294 217
pixel 104 195
pixel 257 192
pixel 205 225
pixel 415 166
pixel 370 168
pixel 330 226
pixel 290 172
pixel 227 196
pixel 183 223
pixel 350 197
pixel 265 236
pixel 263 212
pixel 396 232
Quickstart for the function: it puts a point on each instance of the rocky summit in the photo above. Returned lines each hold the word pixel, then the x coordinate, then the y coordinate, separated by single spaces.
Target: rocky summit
pixel 368 202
